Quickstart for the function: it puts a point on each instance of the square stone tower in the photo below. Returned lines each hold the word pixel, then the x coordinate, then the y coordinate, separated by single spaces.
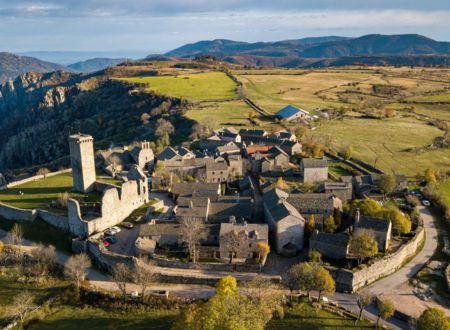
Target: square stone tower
pixel 82 160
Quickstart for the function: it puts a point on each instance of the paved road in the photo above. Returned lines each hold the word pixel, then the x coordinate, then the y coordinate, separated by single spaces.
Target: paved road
pixel 415 265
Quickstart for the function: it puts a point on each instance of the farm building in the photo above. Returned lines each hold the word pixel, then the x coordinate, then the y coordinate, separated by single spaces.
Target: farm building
pixel 292 113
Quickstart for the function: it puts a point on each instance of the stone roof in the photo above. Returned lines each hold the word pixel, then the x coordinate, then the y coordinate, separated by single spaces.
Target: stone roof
pixel 196 201
pixel 252 132
pixel 273 197
pixel 314 163
pixel 225 209
pixel 192 212
pixel 284 209
pixel 312 201
pixel 375 224
pixel 257 231
pixel 228 148
pixel 198 189
pixel 159 229
pixel 216 166
pixel 338 240
pixel 337 185
pixel 276 151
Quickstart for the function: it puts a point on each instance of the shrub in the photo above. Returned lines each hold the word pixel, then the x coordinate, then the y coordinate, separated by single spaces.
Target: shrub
pixel 279 312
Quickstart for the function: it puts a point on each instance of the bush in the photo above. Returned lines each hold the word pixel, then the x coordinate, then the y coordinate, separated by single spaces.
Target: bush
pixel 279 312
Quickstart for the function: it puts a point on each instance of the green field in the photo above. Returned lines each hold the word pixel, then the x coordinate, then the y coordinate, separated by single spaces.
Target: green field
pixel 199 87
pixel 445 188
pixel 386 142
pixel 432 98
pixel 40 193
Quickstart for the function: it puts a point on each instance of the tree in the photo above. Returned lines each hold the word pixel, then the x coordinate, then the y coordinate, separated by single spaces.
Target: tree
pixel 43 171
pixel 44 257
pixel 315 256
pixel 144 274
pixel 363 246
pixel 311 225
pixel 252 114
pixel 227 285
pixel 338 218
pixel 364 299
pixel 263 251
pixel 15 235
pixel 348 152
pixel 367 207
pixel 433 318
pixel 330 225
pixel 324 283
pixel 192 232
pixel 401 223
pixel 385 310
pixel 431 176
pixel 121 276
pixel 76 268
pixel 281 184
pixel 301 277
pixel 22 304
pixel 163 127
pixel 387 184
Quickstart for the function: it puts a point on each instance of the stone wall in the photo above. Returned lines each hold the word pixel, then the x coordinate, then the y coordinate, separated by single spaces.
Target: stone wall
pixel 350 281
pixel 55 220
pixel 33 178
pixel 14 213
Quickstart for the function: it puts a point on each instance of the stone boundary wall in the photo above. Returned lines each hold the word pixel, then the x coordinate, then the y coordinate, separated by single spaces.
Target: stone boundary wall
pixel 15 213
pixel 162 262
pixel 348 281
pixel 33 178
pixel 447 276
pixel 55 220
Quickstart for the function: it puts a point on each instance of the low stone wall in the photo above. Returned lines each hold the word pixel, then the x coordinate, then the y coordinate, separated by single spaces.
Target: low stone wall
pixel 14 213
pixel 55 220
pixel 220 267
pixel 33 178
pixel 350 281
pixel 106 260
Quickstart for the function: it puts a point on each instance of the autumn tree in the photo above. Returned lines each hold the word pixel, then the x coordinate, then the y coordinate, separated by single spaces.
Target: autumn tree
pixel 192 232
pixel 311 225
pixel 329 224
pixel 387 184
pixel 144 274
pixel 401 223
pixel 302 277
pixel 315 256
pixel 263 251
pixel 367 207
pixel 21 305
pixel 363 245
pixel 348 152
pixel 76 268
pixel 364 299
pixel 385 310
pixel 323 282
pixel 433 318
pixel 121 276
pixel 252 114
pixel 281 184
pixel 431 176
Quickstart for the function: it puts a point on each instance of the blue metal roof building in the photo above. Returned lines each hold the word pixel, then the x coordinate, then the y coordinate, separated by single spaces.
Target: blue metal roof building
pixel 289 111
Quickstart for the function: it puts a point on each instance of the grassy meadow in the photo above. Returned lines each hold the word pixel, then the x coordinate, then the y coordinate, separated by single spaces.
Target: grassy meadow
pixel 199 87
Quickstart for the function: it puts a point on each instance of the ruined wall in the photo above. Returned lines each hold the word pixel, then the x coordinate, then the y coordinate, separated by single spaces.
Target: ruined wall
pixel 33 178
pixel 350 281
pixel 55 220
pixel 14 213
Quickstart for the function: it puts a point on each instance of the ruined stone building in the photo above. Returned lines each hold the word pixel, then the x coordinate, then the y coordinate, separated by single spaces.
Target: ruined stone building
pixel 314 169
pixel 82 162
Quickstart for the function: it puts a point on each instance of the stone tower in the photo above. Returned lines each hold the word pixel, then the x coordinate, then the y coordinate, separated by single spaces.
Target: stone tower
pixel 82 160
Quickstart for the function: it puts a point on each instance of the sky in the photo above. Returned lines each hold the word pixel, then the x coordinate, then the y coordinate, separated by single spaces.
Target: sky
pixel 156 26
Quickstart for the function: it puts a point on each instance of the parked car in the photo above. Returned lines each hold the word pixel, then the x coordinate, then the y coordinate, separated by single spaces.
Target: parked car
pixel 127 225
pixel 105 243
pixel 134 295
pixel 426 203
pixel 116 229
pixel 109 232
pixel 111 239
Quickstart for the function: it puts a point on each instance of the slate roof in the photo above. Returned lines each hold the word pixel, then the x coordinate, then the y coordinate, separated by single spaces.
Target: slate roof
pixel 338 240
pixel 159 229
pixel 192 212
pixel 196 201
pixel 284 209
pixel 226 209
pixel 273 197
pixel 337 185
pixel 275 151
pixel 289 111
pixel 196 189
pixel 216 166
pixel 312 201
pixel 252 132
pixel 228 148
pixel 261 230
pixel 314 163
pixel 167 154
pixel 375 224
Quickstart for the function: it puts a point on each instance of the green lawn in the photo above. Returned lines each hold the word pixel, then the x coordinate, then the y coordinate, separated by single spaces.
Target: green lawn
pixel 40 193
pixel 210 86
pixel 305 317
pixel 71 318
pixel 387 142
pixel 445 188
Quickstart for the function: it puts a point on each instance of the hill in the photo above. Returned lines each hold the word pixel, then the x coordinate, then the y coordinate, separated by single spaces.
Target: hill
pixel 12 65
pixel 408 49
pixel 96 64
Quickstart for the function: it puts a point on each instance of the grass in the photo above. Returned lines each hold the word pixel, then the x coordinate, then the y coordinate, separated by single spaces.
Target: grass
pixel 444 187
pixel 209 86
pixel 304 316
pixel 39 231
pixel 432 98
pixel 40 193
pixel 387 142
pixel 69 318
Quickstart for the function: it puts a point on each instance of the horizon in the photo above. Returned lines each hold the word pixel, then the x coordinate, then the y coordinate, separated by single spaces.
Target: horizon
pixel 158 26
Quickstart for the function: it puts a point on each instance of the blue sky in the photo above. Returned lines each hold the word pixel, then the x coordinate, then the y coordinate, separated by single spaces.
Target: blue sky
pixel 161 25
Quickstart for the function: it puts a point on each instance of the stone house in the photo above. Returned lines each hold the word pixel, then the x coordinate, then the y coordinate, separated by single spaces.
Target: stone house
pixel 292 113
pixel 314 170
pixel 381 229
pixel 143 155
pixel 240 241
pixel 235 165
pixel 366 186
pixel 319 205
pixel 196 189
pixel 284 135
pixel 333 246
pixel 228 134
pixel 252 133
pixel 230 148
pixel 285 223
pixel 290 147
pixel 342 190
pixel 216 172
pixel 276 161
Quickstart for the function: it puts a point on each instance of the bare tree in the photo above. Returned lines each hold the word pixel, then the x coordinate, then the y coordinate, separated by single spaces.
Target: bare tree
pixel 22 304
pixel 144 274
pixel 192 233
pixel 76 267
pixel 233 241
pixel 43 171
pixel 364 299
pixel 163 127
pixel 44 257
pixel 15 235
pixel 121 276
